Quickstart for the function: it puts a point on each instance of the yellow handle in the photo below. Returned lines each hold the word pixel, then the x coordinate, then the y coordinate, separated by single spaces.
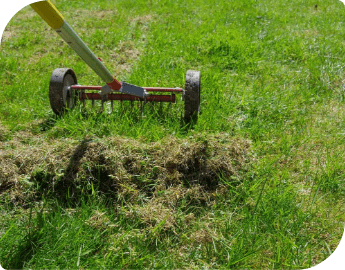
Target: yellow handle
pixel 49 13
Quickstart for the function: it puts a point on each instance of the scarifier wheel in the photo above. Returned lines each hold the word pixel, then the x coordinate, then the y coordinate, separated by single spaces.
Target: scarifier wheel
pixel 60 95
pixel 192 96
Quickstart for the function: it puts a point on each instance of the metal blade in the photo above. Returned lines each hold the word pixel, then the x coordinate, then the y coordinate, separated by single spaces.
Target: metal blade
pixel 133 90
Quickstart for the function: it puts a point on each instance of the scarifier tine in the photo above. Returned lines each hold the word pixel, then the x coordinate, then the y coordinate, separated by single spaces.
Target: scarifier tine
pixel 104 100
pixel 83 101
pixel 142 108
pixel 160 107
pixel 80 95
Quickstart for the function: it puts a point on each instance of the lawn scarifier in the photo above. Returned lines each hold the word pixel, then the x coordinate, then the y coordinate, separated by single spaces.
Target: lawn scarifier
pixel 64 90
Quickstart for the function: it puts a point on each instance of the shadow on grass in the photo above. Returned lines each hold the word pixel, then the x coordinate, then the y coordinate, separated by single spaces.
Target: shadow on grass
pixel 47 124
pixel 70 188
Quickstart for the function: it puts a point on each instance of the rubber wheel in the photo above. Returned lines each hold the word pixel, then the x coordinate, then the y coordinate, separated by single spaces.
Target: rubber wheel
pixel 192 96
pixel 61 97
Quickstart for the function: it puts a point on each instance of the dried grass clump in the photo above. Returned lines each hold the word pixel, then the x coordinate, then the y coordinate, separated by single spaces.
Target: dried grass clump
pixel 99 220
pixel 203 161
pixel 25 156
pixel 166 171
pixel 170 196
pixel 194 195
pixel 201 237
pixel 153 214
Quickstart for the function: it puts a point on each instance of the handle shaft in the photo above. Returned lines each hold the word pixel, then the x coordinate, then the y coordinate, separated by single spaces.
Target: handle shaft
pixel 49 13
pixel 55 20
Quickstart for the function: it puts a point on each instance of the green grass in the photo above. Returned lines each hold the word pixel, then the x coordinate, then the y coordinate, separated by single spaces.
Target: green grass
pixel 272 74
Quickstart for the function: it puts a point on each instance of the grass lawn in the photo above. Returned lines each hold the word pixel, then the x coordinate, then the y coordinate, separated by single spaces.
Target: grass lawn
pixel 257 182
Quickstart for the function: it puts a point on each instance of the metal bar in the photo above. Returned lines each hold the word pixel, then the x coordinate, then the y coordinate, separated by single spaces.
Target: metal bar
pixel 86 87
pixel 162 89
pixel 75 42
pixel 151 98
pixel 148 89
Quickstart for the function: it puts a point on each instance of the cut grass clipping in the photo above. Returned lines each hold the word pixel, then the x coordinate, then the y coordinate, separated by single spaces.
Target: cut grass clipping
pixel 125 169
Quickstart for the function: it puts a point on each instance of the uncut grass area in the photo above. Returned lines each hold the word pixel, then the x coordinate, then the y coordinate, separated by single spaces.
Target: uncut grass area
pixel 256 182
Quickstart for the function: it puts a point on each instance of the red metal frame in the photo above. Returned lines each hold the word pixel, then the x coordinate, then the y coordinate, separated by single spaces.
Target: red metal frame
pixel 118 96
pixel 163 89
pixel 115 84
pixel 148 89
